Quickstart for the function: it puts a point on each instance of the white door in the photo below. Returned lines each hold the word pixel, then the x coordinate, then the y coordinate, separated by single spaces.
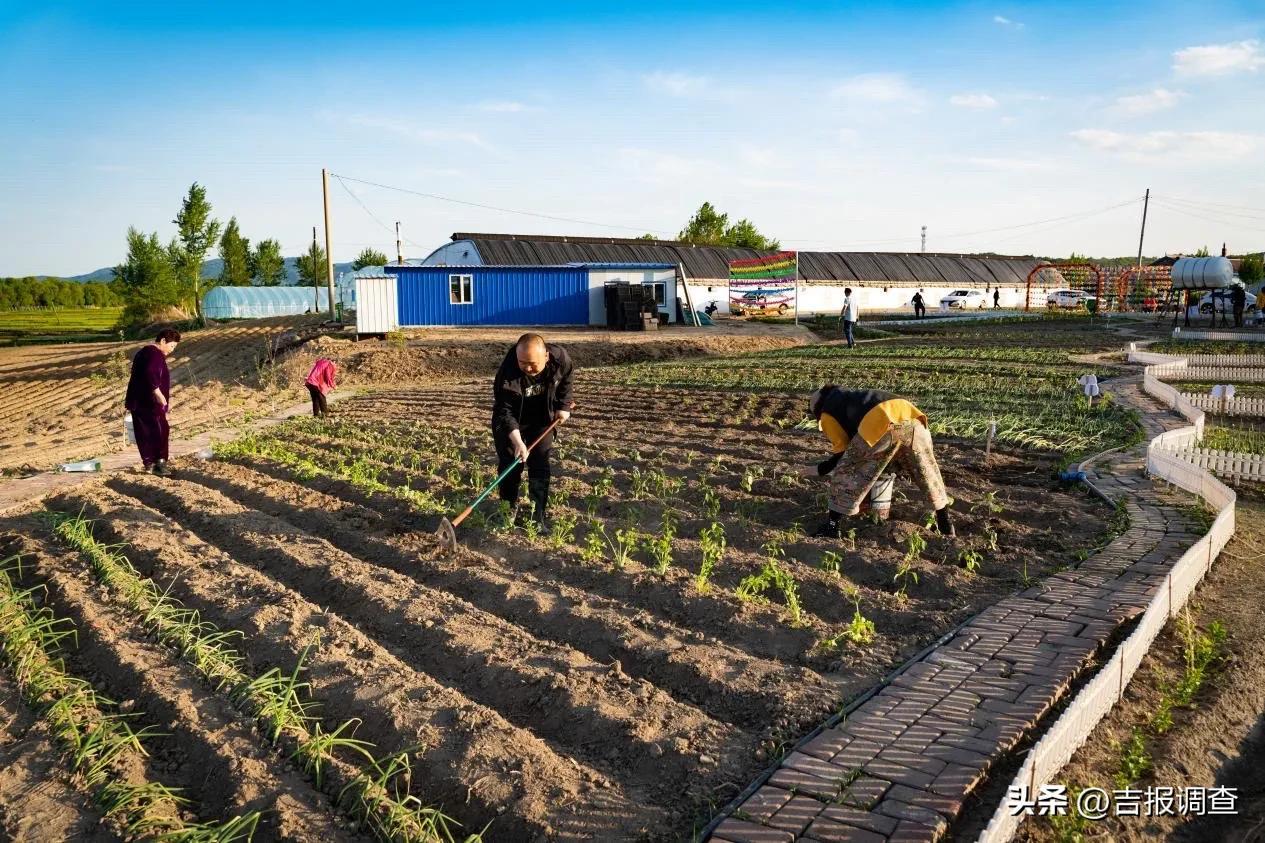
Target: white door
pixel 377 311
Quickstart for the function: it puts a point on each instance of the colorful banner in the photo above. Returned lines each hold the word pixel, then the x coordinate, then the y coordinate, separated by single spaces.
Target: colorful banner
pixel 754 282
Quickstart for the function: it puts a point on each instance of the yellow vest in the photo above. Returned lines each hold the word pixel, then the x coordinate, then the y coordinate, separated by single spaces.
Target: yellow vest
pixel 873 425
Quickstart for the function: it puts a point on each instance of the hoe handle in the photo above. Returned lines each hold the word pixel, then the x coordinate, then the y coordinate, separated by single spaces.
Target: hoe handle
pixel 469 509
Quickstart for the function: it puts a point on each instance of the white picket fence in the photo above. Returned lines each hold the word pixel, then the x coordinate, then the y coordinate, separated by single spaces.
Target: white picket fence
pixel 1213 374
pixel 1230 465
pixel 1228 360
pixel 1165 459
pixel 1248 407
pixel 1226 336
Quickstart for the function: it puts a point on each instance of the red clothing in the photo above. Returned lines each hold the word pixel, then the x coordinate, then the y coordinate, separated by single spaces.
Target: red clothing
pixel 322 375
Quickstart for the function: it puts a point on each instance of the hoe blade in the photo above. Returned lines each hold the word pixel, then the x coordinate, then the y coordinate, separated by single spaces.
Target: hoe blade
pixel 446 536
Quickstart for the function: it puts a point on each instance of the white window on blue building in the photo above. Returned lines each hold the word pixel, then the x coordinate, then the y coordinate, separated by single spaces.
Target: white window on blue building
pixel 461 289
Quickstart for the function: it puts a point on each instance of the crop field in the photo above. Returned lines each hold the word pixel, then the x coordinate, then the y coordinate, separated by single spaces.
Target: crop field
pixel 57 323
pixel 270 642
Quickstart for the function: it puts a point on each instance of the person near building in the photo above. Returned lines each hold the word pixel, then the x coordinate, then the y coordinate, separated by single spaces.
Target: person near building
pixel 1238 300
pixel 996 298
pixel 532 389
pixel 148 399
pixel 320 383
pixel 869 430
pixel 849 315
pixel 920 306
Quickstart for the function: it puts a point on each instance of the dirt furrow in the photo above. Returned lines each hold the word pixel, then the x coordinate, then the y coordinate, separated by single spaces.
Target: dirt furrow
pixel 633 730
pixel 219 762
pixel 661 652
pixel 37 800
pixel 350 519
pixel 471 762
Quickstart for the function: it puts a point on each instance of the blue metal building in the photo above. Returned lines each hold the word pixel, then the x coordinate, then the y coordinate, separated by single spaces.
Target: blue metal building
pixel 571 294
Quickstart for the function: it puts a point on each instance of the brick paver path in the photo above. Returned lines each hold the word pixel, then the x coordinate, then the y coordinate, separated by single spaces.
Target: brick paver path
pixel 901 766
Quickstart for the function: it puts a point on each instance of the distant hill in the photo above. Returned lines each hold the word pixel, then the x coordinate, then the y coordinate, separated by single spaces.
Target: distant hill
pixel 210 269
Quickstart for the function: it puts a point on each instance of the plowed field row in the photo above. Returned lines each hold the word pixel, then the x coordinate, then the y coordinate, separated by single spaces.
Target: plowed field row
pixel 539 687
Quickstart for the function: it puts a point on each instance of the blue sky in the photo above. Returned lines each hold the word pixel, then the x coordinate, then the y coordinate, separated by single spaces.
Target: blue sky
pixel 831 125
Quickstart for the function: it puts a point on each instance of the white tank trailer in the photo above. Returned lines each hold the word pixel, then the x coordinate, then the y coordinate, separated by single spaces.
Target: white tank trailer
pixel 1202 273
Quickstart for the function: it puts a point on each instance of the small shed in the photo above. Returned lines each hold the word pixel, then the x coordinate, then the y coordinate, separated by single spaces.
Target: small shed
pixel 563 294
pixel 260 302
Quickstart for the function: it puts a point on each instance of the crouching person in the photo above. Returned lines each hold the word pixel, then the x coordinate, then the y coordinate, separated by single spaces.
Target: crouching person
pixel 868 431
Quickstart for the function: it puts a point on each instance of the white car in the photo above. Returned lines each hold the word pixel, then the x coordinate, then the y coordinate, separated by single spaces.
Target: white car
pixel 1070 299
pixel 965 299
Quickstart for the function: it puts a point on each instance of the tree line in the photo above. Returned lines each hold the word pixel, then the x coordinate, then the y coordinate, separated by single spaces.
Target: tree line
pixel 156 276
pixel 55 292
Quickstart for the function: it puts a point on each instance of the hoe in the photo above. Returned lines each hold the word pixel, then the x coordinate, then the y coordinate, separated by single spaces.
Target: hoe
pixel 447 532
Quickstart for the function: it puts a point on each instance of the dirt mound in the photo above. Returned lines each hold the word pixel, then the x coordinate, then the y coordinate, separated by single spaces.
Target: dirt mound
pixel 381 363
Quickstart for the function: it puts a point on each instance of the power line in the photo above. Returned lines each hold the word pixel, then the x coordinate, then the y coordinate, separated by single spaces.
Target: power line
pixel 1242 224
pixel 1080 215
pixel 497 208
pixel 360 202
pixel 1215 210
pixel 1216 204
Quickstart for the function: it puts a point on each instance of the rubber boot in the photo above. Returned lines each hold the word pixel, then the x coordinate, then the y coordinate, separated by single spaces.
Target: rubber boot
pixel 161 469
pixel 830 528
pixel 944 523
pixel 538 491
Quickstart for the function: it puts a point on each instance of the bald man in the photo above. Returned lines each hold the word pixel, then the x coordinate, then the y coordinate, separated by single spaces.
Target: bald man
pixel 532 388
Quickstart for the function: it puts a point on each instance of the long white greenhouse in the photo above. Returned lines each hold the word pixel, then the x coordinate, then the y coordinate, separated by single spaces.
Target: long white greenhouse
pixel 258 302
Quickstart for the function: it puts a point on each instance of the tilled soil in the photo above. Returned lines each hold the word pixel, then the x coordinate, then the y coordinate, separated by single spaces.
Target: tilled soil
pixel 541 696
pixel 1219 741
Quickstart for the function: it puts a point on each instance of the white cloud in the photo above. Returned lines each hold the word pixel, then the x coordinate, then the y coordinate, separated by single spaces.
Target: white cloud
pixel 1010 165
pixel 976 101
pixel 878 88
pixel 1152 147
pixel 503 106
pixel 425 134
pixel 655 166
pixel 1157 100
pixel 677 84
pixel 763 157
pixel 1007 22
pixel 1219 59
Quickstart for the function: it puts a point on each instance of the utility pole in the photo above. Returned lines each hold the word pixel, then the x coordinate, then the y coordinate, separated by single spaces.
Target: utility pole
pixel 1146 200
pixel 924 239
pixel 329 246
pixel 399 253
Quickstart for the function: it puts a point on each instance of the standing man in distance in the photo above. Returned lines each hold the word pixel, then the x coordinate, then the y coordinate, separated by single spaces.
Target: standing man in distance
pixel 920 306
pixel 148 397
pixel 849 315
pixel 996 298
pixel 531 390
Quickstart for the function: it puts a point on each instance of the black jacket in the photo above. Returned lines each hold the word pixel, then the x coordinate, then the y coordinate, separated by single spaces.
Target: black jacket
pixel 508 389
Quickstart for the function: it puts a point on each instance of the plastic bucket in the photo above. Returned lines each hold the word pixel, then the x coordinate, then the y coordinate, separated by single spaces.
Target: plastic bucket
pixel 881 496
pixel 129 429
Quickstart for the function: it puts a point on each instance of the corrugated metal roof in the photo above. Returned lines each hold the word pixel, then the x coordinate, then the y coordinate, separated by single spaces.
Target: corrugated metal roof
pixel 711 262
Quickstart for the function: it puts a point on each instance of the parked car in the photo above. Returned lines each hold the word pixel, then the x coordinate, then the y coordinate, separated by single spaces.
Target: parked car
pixel 1221 300
pixel 1070 299
pixel 756 303
pixel 965 299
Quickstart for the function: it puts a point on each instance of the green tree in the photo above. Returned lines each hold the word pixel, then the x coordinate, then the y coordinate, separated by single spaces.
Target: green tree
pixel 369 257
pixel 706 227
pixel 709 227
pixel 267 266
pixel 311 266
pixel 235 252
pixel 647 237
pixel 196 232
pixel 1251 269
pixel 147 280
pixel 743 234
pixel 1202 252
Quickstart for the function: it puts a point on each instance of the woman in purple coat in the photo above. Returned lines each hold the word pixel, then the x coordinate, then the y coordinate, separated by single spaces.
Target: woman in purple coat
pixel 148 394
